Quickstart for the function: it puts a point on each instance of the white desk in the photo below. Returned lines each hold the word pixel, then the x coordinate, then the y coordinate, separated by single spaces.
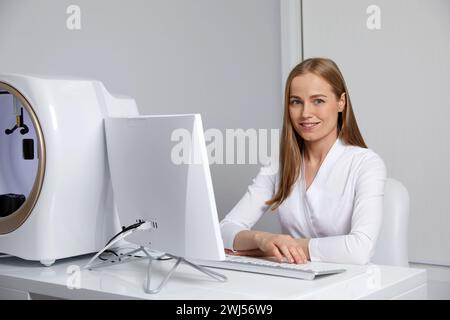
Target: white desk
pixel 19 278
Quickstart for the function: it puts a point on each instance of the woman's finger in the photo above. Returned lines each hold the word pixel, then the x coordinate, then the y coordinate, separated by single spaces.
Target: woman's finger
pixel 251 253
pixel 286 253
pixel 228 251
pixel 296 254
pixel 274 251
pixel 303 255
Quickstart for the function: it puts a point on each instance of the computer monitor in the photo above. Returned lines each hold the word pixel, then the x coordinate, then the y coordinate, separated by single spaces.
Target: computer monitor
pixel 150 184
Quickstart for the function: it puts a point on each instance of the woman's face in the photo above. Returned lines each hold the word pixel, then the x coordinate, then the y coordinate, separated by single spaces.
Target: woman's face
pixel 313 107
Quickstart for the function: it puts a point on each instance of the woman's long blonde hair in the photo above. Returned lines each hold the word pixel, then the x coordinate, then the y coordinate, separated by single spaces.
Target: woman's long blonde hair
pixel 292 144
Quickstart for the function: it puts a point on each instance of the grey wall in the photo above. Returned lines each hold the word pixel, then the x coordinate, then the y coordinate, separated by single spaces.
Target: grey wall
pixel 220 58
pixel 398 81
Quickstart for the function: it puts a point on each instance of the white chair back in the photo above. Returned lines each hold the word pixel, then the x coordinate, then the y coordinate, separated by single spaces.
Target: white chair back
pixel 392 244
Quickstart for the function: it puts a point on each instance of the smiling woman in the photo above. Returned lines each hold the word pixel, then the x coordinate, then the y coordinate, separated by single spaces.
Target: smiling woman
pixel 317 110
pixel 328 190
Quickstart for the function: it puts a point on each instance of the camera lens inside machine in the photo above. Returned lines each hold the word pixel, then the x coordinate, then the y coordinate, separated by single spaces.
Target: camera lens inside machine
pixel 9 203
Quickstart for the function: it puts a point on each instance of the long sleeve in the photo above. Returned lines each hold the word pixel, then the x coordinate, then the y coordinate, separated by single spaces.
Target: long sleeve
pixel 358 246
pixel 250 208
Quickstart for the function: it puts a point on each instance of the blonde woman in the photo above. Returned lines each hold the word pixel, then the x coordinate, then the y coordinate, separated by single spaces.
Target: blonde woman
pixel 328 189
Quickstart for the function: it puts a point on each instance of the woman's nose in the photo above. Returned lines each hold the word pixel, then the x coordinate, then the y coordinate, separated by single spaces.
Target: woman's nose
pixel 307 110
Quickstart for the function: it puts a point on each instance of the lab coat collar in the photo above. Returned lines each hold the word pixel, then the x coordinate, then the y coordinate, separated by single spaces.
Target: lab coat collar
pixel 335 150
pixel 327 165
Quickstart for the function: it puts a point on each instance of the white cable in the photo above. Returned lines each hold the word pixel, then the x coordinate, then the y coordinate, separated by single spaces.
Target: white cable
pixel 143 226
pixel 108 246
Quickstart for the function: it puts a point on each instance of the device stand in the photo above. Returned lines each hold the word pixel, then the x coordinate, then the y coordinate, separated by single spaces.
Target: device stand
pixel 127 257
pixel 210 273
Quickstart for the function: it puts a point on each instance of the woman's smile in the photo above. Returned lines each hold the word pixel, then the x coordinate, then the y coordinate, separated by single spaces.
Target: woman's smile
pixel 309 125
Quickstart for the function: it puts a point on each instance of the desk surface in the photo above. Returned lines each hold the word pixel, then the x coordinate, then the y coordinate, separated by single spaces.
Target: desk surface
pixel 126 281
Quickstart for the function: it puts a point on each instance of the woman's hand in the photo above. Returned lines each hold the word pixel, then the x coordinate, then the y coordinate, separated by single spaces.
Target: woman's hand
pixel 283 247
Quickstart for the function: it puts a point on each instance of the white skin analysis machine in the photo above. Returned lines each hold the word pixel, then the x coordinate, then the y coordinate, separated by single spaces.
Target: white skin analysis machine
pixel 55 188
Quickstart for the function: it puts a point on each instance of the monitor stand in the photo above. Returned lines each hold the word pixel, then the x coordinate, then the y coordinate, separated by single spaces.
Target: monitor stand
pixel 130 256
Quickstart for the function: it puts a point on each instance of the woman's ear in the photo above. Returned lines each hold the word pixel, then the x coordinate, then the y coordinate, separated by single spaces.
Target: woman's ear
pixel 342 102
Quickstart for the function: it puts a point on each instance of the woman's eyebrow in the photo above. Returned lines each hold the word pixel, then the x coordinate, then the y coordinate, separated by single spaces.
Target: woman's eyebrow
pixel 313 96
pixel 318 95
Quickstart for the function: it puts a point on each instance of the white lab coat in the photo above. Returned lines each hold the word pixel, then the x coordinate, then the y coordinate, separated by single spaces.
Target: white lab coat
pixel 341 212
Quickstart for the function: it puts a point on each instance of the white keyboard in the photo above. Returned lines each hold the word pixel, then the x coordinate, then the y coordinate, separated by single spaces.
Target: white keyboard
pixel 307 271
